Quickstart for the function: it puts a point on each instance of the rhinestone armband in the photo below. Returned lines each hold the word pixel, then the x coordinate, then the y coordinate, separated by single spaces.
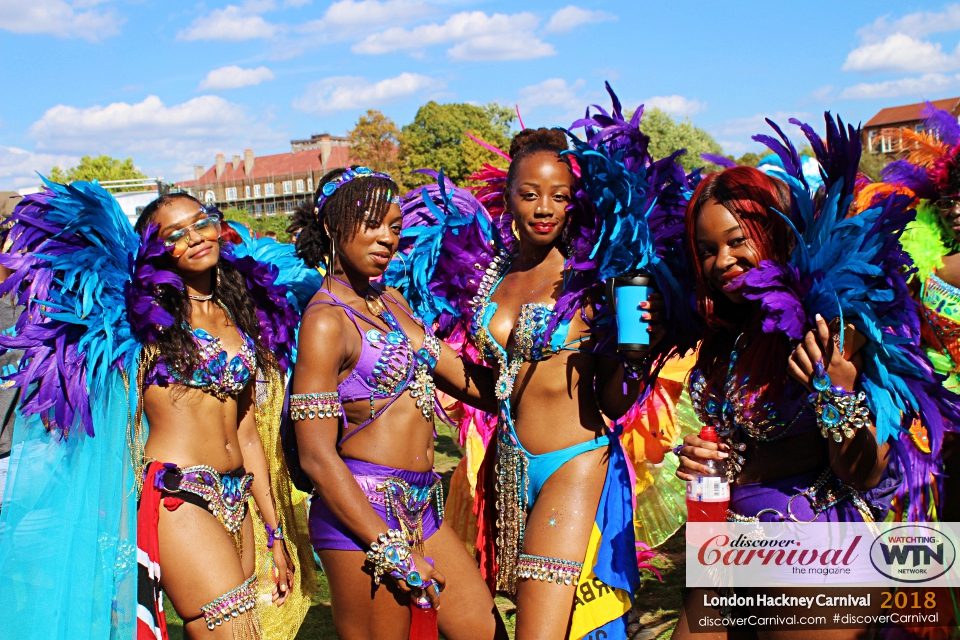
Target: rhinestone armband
pixel 231 604
pixel 315 405
pixel 840 413
pixel 390 554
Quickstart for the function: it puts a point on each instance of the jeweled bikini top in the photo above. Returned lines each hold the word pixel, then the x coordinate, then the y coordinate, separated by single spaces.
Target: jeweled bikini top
pixel 216 373
pixel 531 339
pixel 941 309
pixel 388 364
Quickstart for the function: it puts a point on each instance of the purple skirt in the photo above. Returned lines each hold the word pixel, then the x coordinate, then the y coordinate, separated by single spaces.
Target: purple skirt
pixel 772 500
pixel 402 494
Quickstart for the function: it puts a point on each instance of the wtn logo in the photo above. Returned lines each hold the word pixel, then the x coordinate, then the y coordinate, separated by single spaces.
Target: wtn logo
pixel 900 553
pixel 913 553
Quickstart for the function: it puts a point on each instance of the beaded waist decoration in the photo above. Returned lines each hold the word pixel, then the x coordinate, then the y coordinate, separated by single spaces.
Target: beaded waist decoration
pixel 827 492
pixel 226 496
pixel 510 487
pixel 405 502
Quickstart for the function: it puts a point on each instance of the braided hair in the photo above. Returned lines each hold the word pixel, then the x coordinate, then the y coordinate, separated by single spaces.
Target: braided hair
pixel 354 203
pixel 175 343
pixel 530 142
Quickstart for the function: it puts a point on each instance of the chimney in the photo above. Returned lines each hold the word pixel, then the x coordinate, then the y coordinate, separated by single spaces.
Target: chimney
pixel 236 162
pixel 221 164
pixel 248 161
pixel 324 151
pixel 198 171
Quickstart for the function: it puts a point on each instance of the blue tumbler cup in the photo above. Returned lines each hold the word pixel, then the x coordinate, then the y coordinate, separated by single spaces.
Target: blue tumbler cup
pixel 625 293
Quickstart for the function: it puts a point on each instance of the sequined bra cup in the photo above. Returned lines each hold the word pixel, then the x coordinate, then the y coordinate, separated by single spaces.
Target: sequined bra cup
pixel 532 342
pixel 388 364
pixel 736 415
pixel 216 372
pixel 941 310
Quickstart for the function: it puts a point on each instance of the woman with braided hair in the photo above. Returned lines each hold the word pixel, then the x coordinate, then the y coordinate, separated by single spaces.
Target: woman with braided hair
pixel 363 405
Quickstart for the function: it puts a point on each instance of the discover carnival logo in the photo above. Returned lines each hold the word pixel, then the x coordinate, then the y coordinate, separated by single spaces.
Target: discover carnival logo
pixel 912 553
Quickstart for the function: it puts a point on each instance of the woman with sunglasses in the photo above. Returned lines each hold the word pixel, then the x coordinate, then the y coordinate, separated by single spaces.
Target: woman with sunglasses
pixel 930 172
pixel 161 337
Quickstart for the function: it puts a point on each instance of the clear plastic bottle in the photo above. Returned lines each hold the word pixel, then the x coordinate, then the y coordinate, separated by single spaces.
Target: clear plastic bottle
pixel 708 495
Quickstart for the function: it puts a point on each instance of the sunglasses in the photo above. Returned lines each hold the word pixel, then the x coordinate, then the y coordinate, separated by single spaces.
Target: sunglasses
pixel 178 242
pixel 946 204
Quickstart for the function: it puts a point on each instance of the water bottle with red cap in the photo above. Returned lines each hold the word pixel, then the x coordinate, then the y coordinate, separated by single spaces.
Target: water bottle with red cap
pixel 708 494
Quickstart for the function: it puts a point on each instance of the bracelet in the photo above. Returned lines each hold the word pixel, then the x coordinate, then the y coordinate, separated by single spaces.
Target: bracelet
pixel 273 534
pixel 390 554
pixel 631 368
pixel 840 413
pixel 315 405
pixel 676 450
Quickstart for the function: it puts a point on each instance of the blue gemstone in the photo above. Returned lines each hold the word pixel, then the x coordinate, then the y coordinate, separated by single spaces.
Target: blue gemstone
pixel 830 415
pixel 392 555
pixel 374 336
pixel 394 338
pixel 414 579
pixel 329 188
pixel 821 382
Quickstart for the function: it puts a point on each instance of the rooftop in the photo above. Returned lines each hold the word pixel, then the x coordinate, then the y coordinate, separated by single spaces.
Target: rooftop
pixel 909 112
pixel 280 164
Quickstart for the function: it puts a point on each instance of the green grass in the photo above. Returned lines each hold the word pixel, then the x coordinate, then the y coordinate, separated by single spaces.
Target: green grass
pixel 657 604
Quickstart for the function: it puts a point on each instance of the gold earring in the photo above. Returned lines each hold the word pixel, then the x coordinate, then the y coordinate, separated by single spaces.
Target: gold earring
pixel 513 228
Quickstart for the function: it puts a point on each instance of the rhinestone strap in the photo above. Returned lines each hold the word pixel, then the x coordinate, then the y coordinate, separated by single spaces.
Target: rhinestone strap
pixel 315 405
pixel 565 572
pixel 231 604
pixel 390 554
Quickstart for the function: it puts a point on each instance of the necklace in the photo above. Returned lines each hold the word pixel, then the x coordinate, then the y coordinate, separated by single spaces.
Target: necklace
pixel 209 296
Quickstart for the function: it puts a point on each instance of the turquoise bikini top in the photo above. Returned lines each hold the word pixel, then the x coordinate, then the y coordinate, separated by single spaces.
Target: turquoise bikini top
pixel 532 341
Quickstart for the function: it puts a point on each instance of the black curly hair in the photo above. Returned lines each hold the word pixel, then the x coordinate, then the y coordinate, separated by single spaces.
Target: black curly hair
pixel 530 142
pixel 176 344
pixel 362 200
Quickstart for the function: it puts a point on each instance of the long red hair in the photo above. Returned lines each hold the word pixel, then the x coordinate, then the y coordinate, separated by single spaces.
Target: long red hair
pixel 753 199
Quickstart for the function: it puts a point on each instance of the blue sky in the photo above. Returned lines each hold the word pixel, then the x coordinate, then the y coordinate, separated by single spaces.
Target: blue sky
pixel 173 83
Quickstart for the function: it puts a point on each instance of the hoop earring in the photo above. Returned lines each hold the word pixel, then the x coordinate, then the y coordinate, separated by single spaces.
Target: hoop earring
pixel 217 288
pixel 513 228
pixel 404 262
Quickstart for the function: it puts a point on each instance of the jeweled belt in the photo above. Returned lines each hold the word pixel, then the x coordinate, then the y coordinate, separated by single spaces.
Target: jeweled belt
pixel 226 496
pixel 403 501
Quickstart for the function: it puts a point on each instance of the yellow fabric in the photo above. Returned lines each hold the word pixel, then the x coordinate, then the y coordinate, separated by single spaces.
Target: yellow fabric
pixel 458 512
pixel 281 623
pixel 595 603
pixel 475 452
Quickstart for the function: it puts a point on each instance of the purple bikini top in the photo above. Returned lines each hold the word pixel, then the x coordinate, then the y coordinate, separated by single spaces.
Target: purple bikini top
pixel 388 364
pixel 216 372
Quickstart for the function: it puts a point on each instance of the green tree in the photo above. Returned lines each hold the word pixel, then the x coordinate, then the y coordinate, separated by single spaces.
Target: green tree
pixel 750 159
pixel 872 163
pixel 436 139
pixel 667 135
pixel 278 223
pixel 101 168
pixel 374 142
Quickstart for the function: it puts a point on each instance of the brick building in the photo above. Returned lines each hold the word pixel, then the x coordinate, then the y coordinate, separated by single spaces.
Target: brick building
pixel 881 134
pixel 269 185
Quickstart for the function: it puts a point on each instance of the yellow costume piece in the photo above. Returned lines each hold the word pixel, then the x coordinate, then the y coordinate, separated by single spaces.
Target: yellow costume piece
pixel 281 623
pixel 595 603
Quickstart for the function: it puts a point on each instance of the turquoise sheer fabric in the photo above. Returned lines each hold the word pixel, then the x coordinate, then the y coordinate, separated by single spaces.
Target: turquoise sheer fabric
pixel 68 563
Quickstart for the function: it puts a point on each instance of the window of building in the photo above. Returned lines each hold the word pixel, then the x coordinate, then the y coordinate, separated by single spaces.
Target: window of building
pixel 271 209
pixel 287 187
pixel 872 142
pixel 288 207
pixel 919 128
pixel 258 211
pixel 231 193
pixel 886 144
pixel 246 191
pixel 210 197
pixel 268 189
pixel 310 184
pixel 299 186
pixel 256 191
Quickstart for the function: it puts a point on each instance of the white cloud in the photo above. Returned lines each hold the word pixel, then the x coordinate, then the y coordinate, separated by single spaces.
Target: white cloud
pixel 232 23
pixel 186 133
pixel 903 53
pixel 19 168
pixel 919 87
pixel 348 16
pixel 675 105
pixel 295 3
pixel 478 37
pixel 735 135
pixel 554 92
pixel 343 93
pixel 233 77
pixel 918 25
pixel 58 18
pixel 572 16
